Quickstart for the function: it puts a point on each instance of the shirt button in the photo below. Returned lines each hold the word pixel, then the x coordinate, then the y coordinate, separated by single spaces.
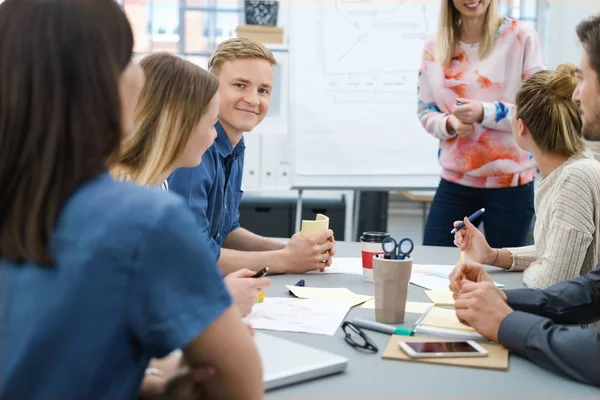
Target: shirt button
pixel 218 235
pixel 225 206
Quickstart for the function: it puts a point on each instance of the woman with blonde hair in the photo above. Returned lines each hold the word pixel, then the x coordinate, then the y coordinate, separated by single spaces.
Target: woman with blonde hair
pixel 469 77
pixel 175 121
pixel 567 202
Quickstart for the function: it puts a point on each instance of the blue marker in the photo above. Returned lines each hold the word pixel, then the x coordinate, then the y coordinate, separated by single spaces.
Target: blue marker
pixel 472 218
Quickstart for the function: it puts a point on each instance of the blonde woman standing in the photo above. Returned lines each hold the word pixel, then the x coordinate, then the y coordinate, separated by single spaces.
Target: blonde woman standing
pixel 469 77
pixel 567 203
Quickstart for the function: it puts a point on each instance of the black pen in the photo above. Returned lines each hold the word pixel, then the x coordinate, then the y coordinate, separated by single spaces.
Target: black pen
pixel 261 273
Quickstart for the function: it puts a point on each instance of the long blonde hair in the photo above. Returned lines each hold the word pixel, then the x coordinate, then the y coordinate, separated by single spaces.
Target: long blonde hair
pixel 172 102
pixel 545 104
pixel 448 34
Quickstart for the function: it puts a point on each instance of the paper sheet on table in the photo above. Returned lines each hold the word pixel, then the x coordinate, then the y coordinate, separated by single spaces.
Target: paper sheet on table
pixel 341 265
pixel 440 297
pixel 413 307
pixel 321 317
pixel 433 277
pixel 444 318
pixel 310 228
pixel 343 294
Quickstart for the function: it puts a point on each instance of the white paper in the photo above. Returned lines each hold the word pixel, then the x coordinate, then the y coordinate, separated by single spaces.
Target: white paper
pixel 341 265
pixel 321 317
pixel 433 277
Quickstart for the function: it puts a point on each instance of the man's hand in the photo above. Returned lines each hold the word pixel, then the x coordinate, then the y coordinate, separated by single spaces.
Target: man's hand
pixel 467 272
pixel 244 289
pixel 483 307
pixel 303 254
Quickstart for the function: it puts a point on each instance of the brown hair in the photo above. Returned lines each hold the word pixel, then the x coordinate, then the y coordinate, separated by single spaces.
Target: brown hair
pixel 60 111
pixel 235 48
pixel 545 104
pixel 448 33
pixel 173 100
pixel 588 32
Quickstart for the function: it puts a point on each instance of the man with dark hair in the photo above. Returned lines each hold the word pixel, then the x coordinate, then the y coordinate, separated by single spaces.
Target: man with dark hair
pixel 544 325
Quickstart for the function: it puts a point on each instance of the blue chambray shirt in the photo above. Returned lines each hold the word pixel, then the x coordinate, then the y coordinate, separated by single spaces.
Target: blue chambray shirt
pixel 213 189
pixel 130 282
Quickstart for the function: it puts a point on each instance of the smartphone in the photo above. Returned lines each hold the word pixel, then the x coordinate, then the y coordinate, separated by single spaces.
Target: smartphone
pixel 467 348
pixel 261 273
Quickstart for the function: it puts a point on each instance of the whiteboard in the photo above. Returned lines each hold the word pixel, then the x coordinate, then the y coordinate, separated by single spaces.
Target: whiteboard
pixel 353 94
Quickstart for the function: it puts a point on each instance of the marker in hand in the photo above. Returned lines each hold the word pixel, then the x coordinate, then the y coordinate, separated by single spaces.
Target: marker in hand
pixel 472 218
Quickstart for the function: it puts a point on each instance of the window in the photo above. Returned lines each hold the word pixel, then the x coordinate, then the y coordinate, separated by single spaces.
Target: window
pixel 191 28
pixel 524 10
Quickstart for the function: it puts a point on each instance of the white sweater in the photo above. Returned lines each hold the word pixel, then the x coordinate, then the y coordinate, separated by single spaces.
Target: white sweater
pixel 566 234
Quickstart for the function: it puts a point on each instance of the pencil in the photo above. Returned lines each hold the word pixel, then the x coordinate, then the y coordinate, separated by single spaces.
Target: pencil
pixel 462 258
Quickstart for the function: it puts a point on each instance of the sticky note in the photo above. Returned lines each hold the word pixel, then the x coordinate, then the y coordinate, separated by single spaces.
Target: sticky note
pixel 319 225
pixel 445 319
pixel 328 294
pixel 440 297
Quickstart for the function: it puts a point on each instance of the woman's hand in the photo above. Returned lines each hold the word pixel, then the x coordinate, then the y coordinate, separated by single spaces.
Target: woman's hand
pixel 469 111
pixel 244 289
pixel 461 129
pixel 473 243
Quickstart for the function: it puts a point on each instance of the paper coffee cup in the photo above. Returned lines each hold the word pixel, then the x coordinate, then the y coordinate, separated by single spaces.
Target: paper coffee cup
pixel 371 246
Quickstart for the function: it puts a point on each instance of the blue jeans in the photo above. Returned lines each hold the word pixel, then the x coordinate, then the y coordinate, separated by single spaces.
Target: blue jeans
pixel 507 217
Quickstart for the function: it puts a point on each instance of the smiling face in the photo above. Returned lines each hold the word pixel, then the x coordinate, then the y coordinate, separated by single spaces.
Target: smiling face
pixel 245 86
pixel 587 97
pixel 472 8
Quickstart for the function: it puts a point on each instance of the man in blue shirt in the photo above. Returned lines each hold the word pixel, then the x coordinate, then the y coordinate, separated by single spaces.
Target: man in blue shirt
pixel 213 189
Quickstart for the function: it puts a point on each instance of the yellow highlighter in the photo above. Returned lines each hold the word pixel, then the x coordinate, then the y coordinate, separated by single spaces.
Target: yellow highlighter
pixel 260 274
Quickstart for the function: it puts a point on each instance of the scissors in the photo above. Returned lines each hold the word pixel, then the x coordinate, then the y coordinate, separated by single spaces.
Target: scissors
pixel 396 252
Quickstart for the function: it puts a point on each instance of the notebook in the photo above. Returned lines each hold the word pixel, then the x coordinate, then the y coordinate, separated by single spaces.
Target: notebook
pixel 444 322
pixel 286 363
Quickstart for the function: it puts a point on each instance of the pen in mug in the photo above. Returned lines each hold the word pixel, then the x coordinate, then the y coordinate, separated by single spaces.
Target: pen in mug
pixel 472 218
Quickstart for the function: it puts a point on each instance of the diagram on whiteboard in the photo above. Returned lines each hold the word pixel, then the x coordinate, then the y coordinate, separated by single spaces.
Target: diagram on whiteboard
pixel 349 38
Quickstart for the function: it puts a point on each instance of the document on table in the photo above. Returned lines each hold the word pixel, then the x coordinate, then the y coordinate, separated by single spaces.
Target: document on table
pixel 321 317
pixel 433 277
pixel 412 307
pixel 440 297
pixel 343 265
pixel 343 294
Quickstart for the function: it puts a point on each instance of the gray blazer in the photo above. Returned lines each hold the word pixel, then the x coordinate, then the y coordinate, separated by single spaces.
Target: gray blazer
pixel 545 327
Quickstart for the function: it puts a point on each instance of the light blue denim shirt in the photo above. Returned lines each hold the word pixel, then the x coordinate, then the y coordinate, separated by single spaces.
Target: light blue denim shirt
pixel 132 281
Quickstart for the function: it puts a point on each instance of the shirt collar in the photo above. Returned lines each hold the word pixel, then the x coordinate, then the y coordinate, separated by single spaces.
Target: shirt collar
pixel 224 146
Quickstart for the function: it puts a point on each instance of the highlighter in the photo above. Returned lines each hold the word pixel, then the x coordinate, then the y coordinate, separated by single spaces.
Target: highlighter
pixel 260 274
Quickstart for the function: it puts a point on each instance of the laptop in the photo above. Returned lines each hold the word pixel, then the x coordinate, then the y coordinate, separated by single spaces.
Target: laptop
pixel 286 363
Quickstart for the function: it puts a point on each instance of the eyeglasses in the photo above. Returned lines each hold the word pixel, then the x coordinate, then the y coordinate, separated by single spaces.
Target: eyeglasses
pixel 356 338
